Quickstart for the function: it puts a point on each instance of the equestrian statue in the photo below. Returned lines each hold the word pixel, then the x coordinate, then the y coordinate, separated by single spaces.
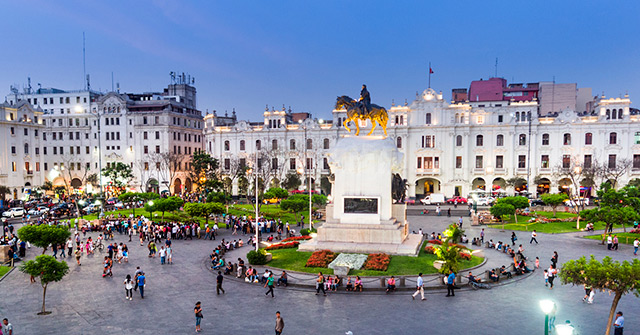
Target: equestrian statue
pixel 363 109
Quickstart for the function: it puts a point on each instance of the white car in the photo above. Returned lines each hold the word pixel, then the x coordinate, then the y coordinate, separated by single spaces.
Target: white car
pixel 13 212
pixel 118 204
pixel 91 208
pixel 38 211
pixel 486 201
pixel 577 202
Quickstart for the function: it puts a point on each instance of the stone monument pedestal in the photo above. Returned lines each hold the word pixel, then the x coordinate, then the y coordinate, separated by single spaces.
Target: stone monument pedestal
pixel 362 217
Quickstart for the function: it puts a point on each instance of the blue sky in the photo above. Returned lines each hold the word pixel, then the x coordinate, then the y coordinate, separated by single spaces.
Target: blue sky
pixel 248 54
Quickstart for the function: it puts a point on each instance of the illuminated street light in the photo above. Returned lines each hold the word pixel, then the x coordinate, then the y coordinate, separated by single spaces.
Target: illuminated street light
pixel 565 329
pixel 546 306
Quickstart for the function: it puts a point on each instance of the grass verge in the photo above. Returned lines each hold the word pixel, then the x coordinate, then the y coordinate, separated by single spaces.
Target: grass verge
pixel 625 238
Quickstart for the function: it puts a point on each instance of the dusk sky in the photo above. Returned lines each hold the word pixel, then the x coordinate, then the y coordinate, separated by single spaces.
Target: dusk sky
pixel 248 54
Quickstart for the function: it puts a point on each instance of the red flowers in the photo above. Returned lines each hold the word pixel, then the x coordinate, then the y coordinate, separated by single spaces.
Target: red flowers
pixel 465 256
pixel 321 259
pixel 297 238
pixel 282 245
pixel 438 242
pixel 430 249
pixel 378 262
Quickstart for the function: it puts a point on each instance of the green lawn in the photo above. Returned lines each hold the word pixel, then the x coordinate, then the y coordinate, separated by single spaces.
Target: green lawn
pixel 4 270
pixel 549 228
pixel 157 216
pixel 269 211
pixel 626 238
pixel 291 259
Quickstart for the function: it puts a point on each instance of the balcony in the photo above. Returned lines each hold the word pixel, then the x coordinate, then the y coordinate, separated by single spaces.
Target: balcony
pixel 427 172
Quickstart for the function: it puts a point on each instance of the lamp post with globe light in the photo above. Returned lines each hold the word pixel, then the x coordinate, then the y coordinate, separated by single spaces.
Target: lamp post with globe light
pixel 547 306
pixel 564 329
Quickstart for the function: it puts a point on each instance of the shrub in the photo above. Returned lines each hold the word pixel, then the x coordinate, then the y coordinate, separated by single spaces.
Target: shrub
pixel 297 238
pixel 465 256
pixel 257 257
pixel 276 246
pixel 430 250
pixel 321 259
pixel 378 262
pixel 306 231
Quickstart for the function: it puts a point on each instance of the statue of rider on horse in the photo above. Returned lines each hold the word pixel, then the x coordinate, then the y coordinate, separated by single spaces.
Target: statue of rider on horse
pixel 364 103
pixel 362 110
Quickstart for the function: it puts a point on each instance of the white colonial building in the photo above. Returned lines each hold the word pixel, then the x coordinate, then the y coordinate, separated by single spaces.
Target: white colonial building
pixel 450 148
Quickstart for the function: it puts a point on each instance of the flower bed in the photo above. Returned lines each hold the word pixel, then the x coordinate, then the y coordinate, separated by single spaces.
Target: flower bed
pixel 465 256
pixel 283 245
pixel 321 259
pixel 635 231
pixel 378 262
pixel 297 238
pixel 352 261
pixel 438 242
pixel 430 249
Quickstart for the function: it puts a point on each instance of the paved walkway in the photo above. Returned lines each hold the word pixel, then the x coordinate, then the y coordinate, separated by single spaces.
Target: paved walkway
pixel 85 303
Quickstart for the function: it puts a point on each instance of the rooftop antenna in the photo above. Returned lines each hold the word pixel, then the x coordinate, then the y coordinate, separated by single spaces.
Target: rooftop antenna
pixel 84 63
pixel 496 73
pixel 88 83
pixel 111 81
pixel 29 87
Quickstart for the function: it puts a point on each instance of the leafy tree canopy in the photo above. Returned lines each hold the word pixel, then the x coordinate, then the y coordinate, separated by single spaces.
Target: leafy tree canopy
pixel 43 235
pixel 501 209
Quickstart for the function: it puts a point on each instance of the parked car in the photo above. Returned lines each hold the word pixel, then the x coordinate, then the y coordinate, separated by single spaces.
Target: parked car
pixel 14 212
pixel 91 208
pixel 577 202
pixel 459 200
pixel 484 201
pixel 37 211
pixel 433 199
pixel 536 202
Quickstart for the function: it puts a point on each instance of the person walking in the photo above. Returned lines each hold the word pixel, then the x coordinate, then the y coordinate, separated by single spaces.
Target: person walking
pixel 554 259
pixel 449 212
pixel 279 323
pixel 163 255
pixel 69 247
pixel 419 288
pixel 460 222
pixel 320 284
pixel 615 242
pixel 142 280
pixel 533 237
pixel 552 275
pixel 636 243
pixel 438 210
pixel 219 280
pixel 7 328
pixel 270 284
pixel 78 255
pixel 198 312
pixel 514 238
pixel 128 287
pixel 609 242
pixel 618 325
pixel 451 279
pixel 482 235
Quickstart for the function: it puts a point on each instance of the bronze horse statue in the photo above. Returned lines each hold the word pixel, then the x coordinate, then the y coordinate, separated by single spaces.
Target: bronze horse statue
pixel 354 113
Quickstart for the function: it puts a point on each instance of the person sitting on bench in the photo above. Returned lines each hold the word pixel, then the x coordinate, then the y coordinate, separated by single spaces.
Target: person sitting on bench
pixel 494 277
pixel 504 272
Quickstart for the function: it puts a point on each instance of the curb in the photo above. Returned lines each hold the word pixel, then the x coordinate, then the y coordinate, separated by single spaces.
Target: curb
pixel 6 274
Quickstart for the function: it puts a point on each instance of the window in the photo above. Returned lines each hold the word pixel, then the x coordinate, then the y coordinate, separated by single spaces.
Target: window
pixel 156 120
pixel 37 151
pixel 428 118
pixel 612 161
pixel 522 139
pixel 544 161
pixel 325 163
pixel 309 144
pixel 480 119
pixel 399 142
pixel 309 163
pixel 522 161
pixel 479 140
pixel 429 141
pixel 500 118
pixel 637 137
pixel 566 161
pixel 146 166
pixel 325 143
pixel 292 144
pixel 500 140
pixel 499 162
pixel 86 150
pixel 13 150
pixel 613 138
pixel 274 145
pixel 38 163
pixel 157 134
pixel 242 162
pixel 587 161
pixel 258 145
pixel 458 162
pixel 636 162
pixel 292 163
pixel 227 163
pixel 620 113
pixel 545 139
pixel 146 149
pixel 144 120
pixel 157 149
pixel 226 145
pixel 566 139
pixel 588 138
pixel 478 162
pixel 274 163
pixel 458 140
pixel 241 145
pixel 13 166
pixel 26 132
pixel 419 164
pixel 144 135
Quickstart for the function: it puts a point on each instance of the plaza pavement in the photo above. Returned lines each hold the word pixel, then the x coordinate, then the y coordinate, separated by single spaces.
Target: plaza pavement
pixel 85 303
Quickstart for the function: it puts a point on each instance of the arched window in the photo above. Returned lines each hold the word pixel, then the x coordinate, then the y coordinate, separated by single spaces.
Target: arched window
pixel 522 139
pixel 545 139
pixel 613 138
pixel 500 140
pixel 292 144
pixel 226 145
pixel 242 145
pixel 620 113
pixel 608 114
pixel 428 118
pixel 459 141
pixel 457 118
pixel 517 116
pixel 309 144
pixel 274 144
pixel 614 114
pixel 566 139
pixel 588 138
pixel 258 145
pixel 479 140
pixel 399 142
pixel 325 143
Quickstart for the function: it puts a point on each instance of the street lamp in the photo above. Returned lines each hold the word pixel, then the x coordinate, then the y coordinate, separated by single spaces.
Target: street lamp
pixel 565 329
pixel 547 306
pixel 307 166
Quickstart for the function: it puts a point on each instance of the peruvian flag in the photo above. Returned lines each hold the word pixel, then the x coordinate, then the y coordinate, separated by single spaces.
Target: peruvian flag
pixel 430 70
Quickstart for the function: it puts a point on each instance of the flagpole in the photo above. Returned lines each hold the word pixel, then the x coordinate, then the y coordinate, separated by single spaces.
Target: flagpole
pixel 429 74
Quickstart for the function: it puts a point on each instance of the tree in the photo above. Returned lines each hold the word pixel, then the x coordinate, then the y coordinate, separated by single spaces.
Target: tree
pixel 219 197
pixel 43 235
pixel 501 209
pixel 144 172
pixel 449 254
pixel 453 234
pixel 204 210
pixel 169 204
pixel 515 182
pixel 46 269
pixel 294 206
pixel 517 203
pixel 203 171
pixel 613 171
pixel 291 181
pixel 554 200
pixel 3 191
pixel 616 207
pixel 278 192
pixel 130 198
pixel 635 182
pixel 47 186
pixel 608 275
pixel 119 174
pixel 169 163
pixel 579 174
pixel 74 170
